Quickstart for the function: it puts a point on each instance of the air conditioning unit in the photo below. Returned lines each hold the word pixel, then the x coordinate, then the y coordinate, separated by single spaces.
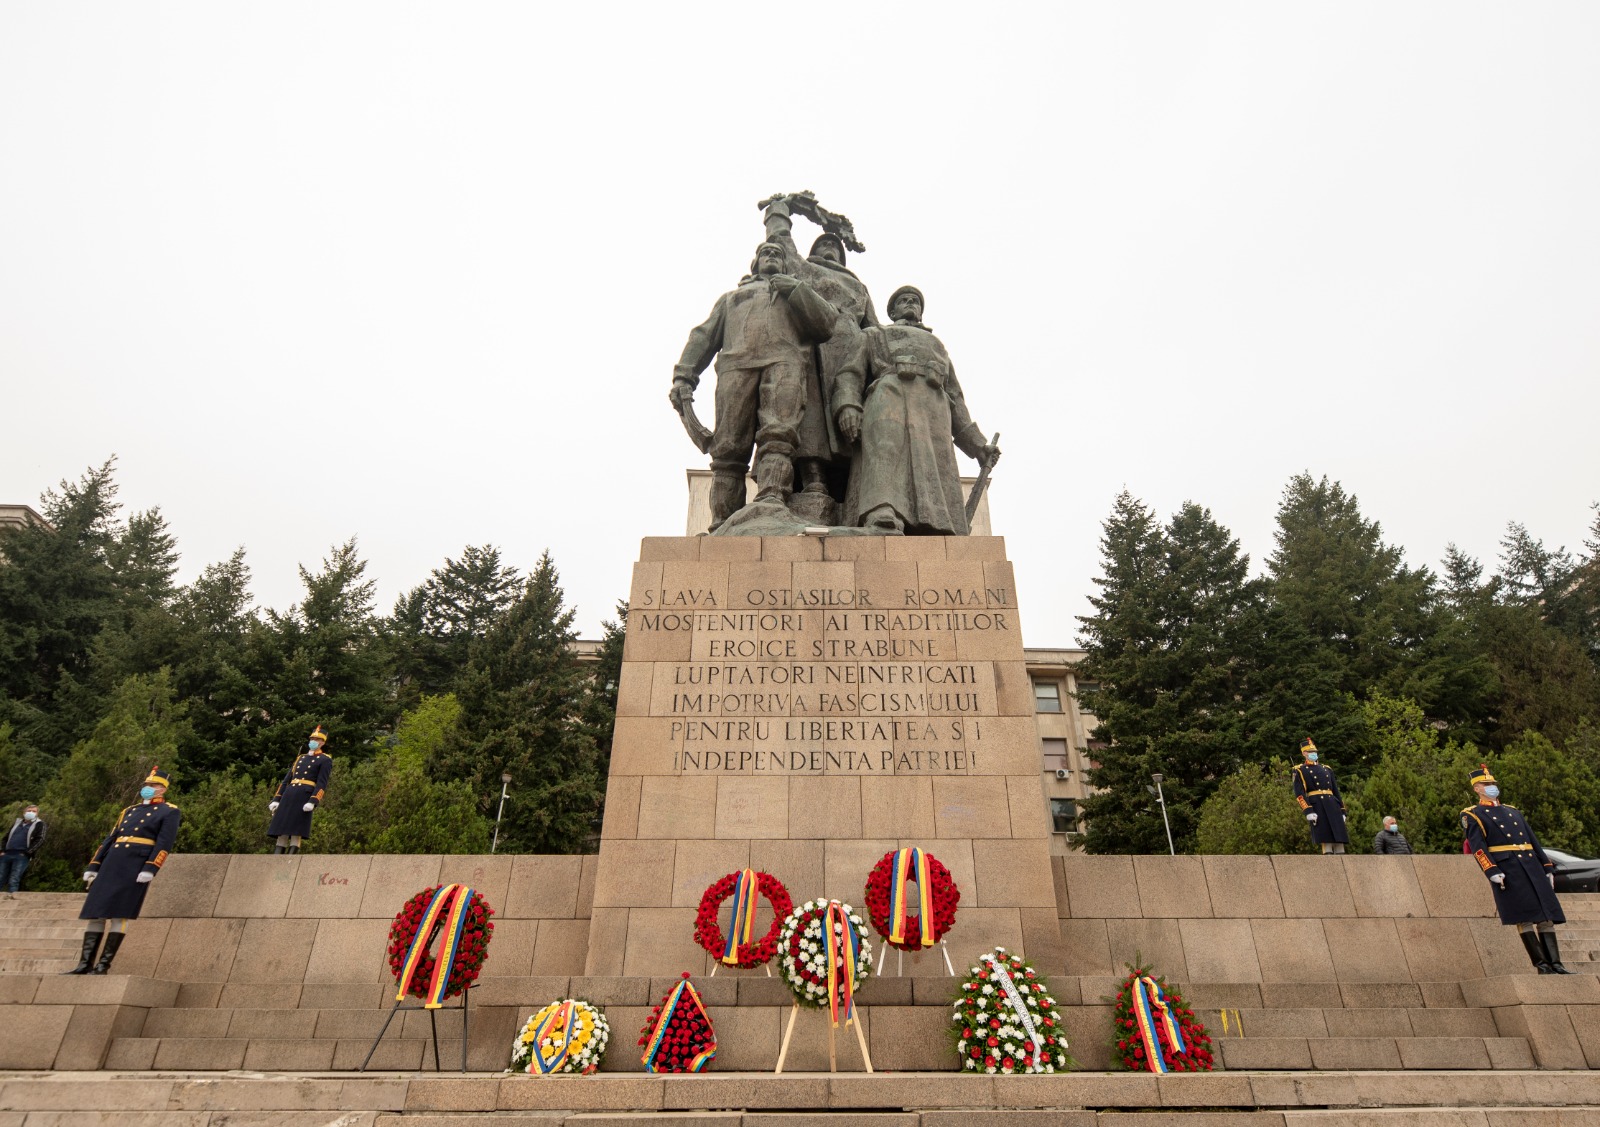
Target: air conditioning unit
pixel 1063 773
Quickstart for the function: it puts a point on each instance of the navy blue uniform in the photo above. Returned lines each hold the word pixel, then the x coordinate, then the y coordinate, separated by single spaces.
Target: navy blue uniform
pixel 1501 841
pixel 1317 792
pixel 307 781
pixel 140 842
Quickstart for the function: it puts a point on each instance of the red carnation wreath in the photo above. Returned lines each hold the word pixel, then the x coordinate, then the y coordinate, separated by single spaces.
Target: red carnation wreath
pixel 470 957
pixel 1128 1047
pixel 708 933
pixel 945 898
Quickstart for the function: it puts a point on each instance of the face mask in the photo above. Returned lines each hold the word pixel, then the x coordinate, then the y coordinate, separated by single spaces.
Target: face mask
pixel 1492 791
pixel 1394 829
pixel 1311 757
pixel 147 792
pixel 29 816
pixel 312 745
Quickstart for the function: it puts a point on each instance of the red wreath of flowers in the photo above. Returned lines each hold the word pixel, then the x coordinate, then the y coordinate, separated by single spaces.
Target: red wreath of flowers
pixel 708 933
pixel 473 952
pixel 945 898
pixel 1129 1046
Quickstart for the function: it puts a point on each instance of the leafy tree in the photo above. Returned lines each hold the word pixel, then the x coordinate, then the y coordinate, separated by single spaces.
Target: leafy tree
pixel 1417 779
pixel 1544 681
pixel 1557 787
pixel 433 626
pixel 1251 811
pixel 225 812
pixel 600 711
pixel 1168 645
pixel 522 700
pixel 216 620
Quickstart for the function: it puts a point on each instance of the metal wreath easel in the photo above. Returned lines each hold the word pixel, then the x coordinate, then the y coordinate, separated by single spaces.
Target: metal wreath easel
pixel 433 1021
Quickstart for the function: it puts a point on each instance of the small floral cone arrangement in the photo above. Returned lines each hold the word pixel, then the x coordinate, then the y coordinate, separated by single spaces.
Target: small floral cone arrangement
pixel 569 1035
pixel 678 1037
pixel 1006 1022
pixel 1153 1031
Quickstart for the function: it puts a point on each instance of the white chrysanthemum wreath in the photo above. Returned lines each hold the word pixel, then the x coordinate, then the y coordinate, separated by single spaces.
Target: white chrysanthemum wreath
pixel 803 952
pixel 1006 1021
pixel 565 1036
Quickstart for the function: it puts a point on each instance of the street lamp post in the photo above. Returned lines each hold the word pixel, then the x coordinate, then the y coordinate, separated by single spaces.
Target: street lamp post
pixel 1162 800
pixel 505 782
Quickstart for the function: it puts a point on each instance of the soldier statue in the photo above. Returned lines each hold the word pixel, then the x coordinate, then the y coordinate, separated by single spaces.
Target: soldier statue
pixel 761 335
pixel 127 861
pixel 303 788
pixel 899 397
pixel 1503 844
pixel 1317 793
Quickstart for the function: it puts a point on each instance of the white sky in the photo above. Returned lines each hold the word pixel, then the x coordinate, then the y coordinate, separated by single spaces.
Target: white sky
pixel 419 272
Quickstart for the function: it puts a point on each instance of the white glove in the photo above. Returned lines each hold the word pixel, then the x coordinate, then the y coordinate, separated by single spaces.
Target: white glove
pixel 1498 880
pixel 88 878
pixel 144 878
pixel 273 806
pixel 1552 878
pixel 1312 817
pixel 309 807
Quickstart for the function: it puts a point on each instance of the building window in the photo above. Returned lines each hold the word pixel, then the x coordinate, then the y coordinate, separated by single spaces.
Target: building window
pixel 1063 815
pixel 1047 696
pixel 1087 688
pixel 1055 755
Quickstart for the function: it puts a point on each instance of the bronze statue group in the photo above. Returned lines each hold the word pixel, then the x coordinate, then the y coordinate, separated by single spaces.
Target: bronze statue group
pixel 1497 836
pixel 851 423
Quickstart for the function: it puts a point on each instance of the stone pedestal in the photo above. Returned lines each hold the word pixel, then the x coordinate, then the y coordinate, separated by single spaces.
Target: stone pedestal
pixel 802 705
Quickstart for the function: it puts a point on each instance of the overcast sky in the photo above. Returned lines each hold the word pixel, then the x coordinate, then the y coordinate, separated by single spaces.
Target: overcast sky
pixel 419 272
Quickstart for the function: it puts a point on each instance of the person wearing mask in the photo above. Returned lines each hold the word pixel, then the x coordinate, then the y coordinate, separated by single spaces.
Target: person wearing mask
pixel 22 842
pixel 1390 839
pixel 1317 793
pixel 297 797
pixel 127 861
pixel 1523 878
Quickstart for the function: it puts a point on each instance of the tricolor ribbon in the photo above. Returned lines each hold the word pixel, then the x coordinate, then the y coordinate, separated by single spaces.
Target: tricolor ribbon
pixel 670 1007
pixel 558 1024
pixel 742 928
pixel 1001 974
pixel 447 912
pixel 910 866
pixel 1154 1017
pixel 843 946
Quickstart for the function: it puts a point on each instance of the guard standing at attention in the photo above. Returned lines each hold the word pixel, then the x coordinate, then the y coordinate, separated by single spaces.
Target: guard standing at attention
pixel 1503 844
pixel 1317 793
pixel 299 794
pixel 123 867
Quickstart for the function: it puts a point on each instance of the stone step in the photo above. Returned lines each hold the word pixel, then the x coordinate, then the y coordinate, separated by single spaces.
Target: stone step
pixel 30 965
pixel 39 949
pixel 37 929
pixel 1374 1053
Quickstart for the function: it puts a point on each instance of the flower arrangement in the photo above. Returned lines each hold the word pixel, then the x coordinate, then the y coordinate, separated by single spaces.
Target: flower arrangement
pixel 747 887
pixel 807 955
pixel 1006 1022
pixel 890 904
pixel 1152 1030
pixel 566 1036
pixel 470 934
pixel 678 1037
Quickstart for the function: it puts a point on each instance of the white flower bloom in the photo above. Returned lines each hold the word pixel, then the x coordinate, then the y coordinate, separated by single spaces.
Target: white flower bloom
pixel 987 989
pixel 990 1070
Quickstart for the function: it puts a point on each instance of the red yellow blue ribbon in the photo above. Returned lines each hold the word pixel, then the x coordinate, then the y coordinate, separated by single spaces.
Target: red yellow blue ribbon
pixel 560 1017
pixel 910 866
pixel 844 947
pixel 449 909
pixel 1154 1018
pixel 668 1008
pixel 742 928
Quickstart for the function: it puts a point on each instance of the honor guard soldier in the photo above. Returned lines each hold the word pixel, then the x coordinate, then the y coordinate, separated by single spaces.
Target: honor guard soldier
pixel 1317 793
pixel 123 867
pixel 1503 844
pixel 299 794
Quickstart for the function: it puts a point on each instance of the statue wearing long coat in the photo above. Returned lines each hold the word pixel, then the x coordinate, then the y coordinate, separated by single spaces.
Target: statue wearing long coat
pixel 913 418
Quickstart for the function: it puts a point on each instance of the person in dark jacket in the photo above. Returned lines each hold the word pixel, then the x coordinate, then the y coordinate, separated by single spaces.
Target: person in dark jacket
pixel 1524 880
pixel 1390 839
pixel 22 842
pixel 127 861
pixel 303 788
pixel 1317 793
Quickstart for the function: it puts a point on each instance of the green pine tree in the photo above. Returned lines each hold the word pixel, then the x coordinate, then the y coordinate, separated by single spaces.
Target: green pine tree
pixel 1251 811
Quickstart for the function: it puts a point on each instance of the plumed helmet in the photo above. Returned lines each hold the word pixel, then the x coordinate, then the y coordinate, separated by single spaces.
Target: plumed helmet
pixel 158 777
pixel 1306 745
pixel 1481 775
pixel 907 289
pixel 318 734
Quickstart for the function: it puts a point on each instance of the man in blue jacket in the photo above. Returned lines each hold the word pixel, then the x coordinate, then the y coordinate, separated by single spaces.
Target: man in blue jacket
pixel 22 842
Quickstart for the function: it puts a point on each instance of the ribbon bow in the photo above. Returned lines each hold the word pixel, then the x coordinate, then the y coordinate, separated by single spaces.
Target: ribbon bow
pixel 446 912
pixel 1153 1015
pixel 844 948
pixel 910 866
pixel 742 928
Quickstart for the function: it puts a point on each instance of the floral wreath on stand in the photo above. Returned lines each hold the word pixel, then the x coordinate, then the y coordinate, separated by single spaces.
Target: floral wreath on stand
pixel 1153 1031
pixel 740 948
pixel 566 1036
pixel 890 903
pixel 1006 1021
pixel 467 935
pixel 806 956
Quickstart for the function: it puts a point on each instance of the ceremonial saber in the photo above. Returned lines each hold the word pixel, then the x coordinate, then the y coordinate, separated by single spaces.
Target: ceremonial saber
pixel 982 483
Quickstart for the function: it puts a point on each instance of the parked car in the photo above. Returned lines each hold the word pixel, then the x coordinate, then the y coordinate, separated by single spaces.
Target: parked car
pixel 1574 874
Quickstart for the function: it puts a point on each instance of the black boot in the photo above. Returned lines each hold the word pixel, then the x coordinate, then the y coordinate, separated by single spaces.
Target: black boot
pixel 292 849
pixel 277 849
pixel 108 952
pixel 91 940
pixel 1530 940
pixel 1552 952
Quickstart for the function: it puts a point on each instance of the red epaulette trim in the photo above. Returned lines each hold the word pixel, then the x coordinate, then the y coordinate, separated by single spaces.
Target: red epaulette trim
pixel 1483 860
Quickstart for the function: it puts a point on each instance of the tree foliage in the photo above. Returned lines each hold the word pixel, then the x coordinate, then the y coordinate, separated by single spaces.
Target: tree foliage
pixel 1247 813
